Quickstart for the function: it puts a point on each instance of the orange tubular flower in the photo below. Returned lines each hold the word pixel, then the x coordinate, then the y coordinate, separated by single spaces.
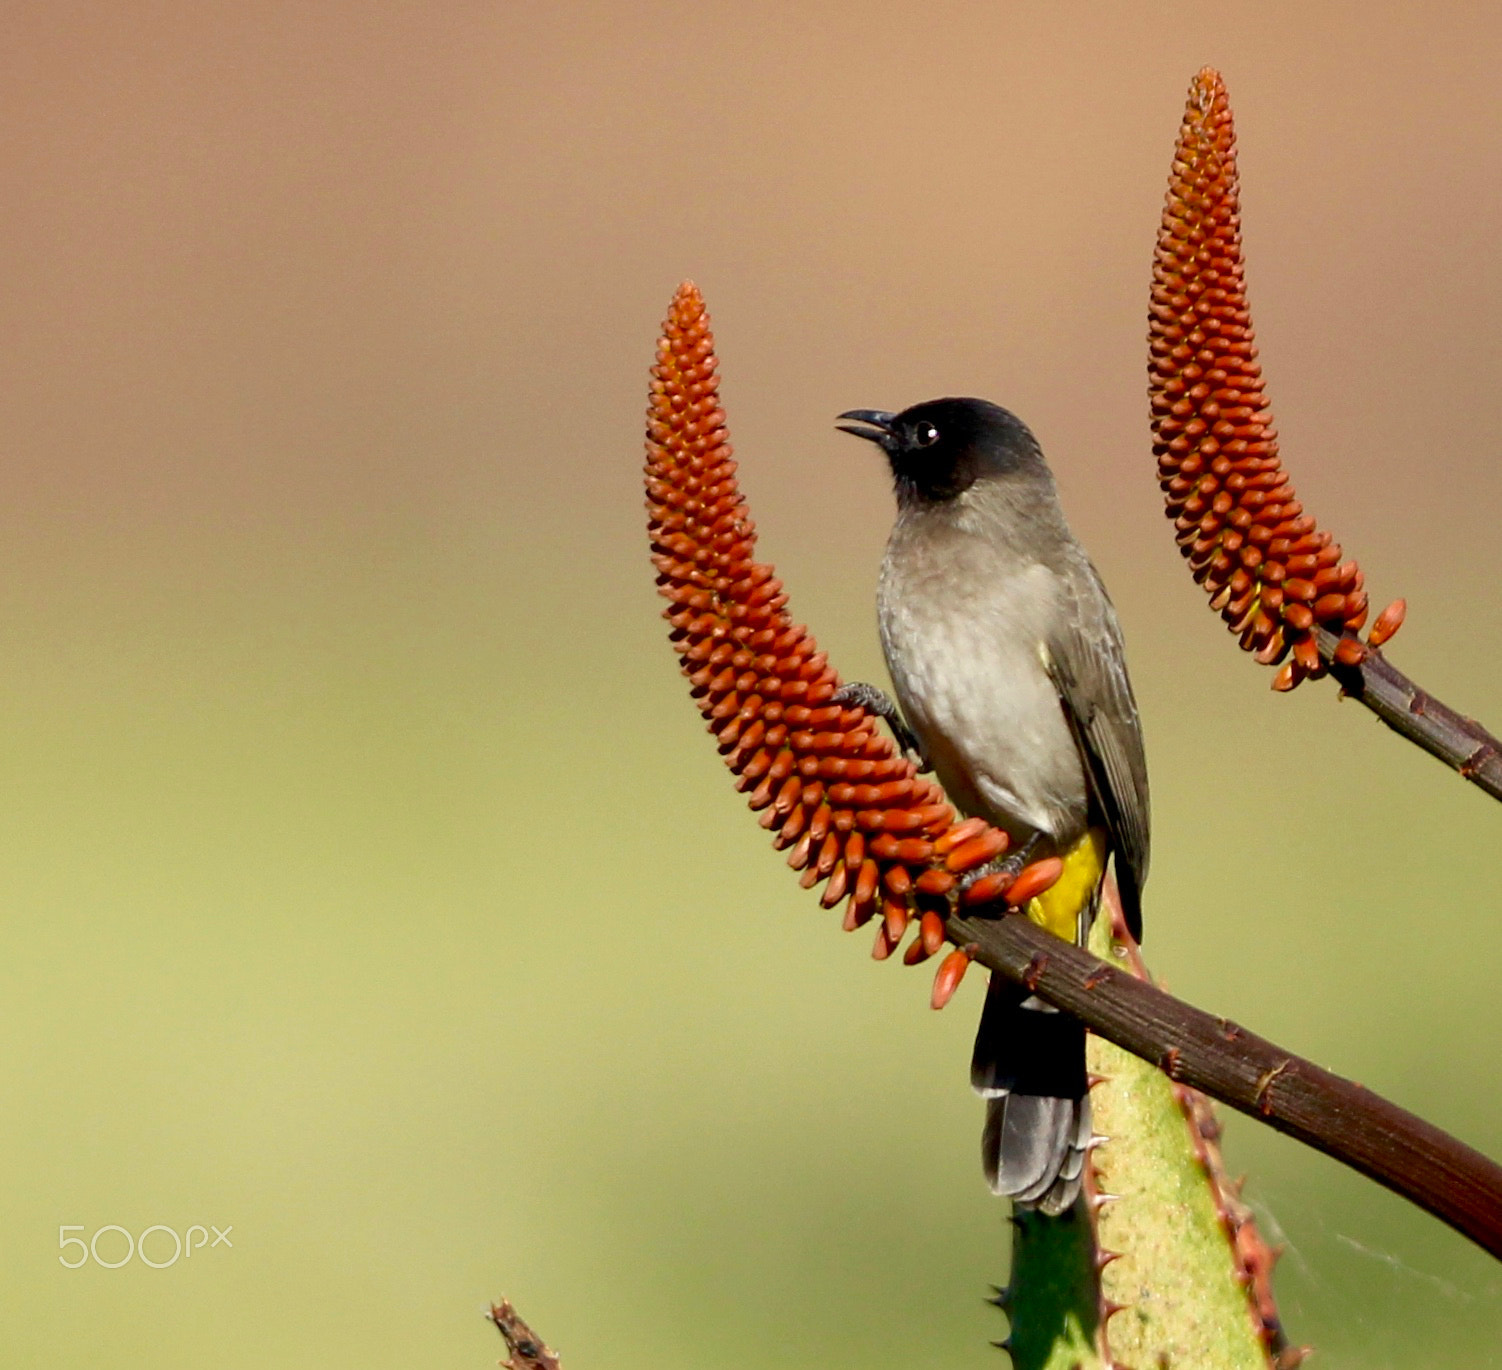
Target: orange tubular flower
pixel 855 813
pixel 1271 573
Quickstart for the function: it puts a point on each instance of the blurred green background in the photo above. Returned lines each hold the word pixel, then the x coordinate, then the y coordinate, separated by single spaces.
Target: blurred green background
pixel 368 882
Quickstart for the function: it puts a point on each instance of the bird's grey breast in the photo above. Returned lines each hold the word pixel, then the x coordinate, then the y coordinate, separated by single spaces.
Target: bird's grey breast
pixel 965 617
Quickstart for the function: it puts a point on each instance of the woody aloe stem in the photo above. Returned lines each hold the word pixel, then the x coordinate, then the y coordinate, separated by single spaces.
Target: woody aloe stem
pixel 1460 742
pixel 1411 1157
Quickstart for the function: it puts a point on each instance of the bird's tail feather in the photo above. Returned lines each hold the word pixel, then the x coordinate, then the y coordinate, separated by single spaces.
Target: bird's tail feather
pixel 1029 1064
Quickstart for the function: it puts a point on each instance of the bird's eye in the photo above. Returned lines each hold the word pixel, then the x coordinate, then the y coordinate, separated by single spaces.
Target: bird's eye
pixel 925 435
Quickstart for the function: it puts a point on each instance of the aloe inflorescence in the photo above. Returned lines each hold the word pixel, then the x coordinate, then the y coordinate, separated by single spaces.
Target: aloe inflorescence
pixel 1271 572
pixel 855 814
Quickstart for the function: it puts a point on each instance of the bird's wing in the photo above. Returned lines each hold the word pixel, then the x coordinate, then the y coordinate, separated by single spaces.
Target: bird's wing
pixel 1088 664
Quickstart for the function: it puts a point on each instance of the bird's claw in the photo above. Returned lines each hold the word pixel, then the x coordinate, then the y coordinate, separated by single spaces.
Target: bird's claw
pixel 877 701
pixel 1011 865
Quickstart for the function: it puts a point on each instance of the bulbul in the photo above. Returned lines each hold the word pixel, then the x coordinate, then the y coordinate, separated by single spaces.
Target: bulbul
pixel 1011 678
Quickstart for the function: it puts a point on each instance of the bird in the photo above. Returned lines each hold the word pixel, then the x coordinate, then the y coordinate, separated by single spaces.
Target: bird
pixel 1009 669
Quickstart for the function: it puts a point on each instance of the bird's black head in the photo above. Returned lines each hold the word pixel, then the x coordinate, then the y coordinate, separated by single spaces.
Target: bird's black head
pixel 939 449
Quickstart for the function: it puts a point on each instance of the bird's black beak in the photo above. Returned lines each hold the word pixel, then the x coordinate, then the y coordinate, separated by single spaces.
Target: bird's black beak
pixel 879 429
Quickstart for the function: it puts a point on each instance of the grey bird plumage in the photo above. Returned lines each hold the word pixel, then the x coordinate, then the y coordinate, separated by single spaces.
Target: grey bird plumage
pixel 1008 666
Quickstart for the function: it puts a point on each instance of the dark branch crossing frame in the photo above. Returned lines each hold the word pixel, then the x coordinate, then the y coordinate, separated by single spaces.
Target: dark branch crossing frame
pixel 1411 1157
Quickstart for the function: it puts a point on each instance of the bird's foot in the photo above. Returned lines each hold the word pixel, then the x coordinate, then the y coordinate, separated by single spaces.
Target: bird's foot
pixel 879 702
pixel 1007 867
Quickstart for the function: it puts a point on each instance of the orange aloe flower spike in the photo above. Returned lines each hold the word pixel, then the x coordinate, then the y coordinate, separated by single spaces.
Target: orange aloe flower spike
pixel 855 813
pixel 1270 571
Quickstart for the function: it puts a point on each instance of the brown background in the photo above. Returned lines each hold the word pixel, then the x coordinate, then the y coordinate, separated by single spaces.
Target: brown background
pixel 368 883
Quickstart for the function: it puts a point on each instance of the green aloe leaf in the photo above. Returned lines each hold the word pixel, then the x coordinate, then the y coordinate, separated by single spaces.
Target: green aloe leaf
pixel 1147 1271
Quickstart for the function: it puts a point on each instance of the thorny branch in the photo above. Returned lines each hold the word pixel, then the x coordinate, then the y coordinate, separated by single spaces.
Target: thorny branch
pixel 1411 1157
